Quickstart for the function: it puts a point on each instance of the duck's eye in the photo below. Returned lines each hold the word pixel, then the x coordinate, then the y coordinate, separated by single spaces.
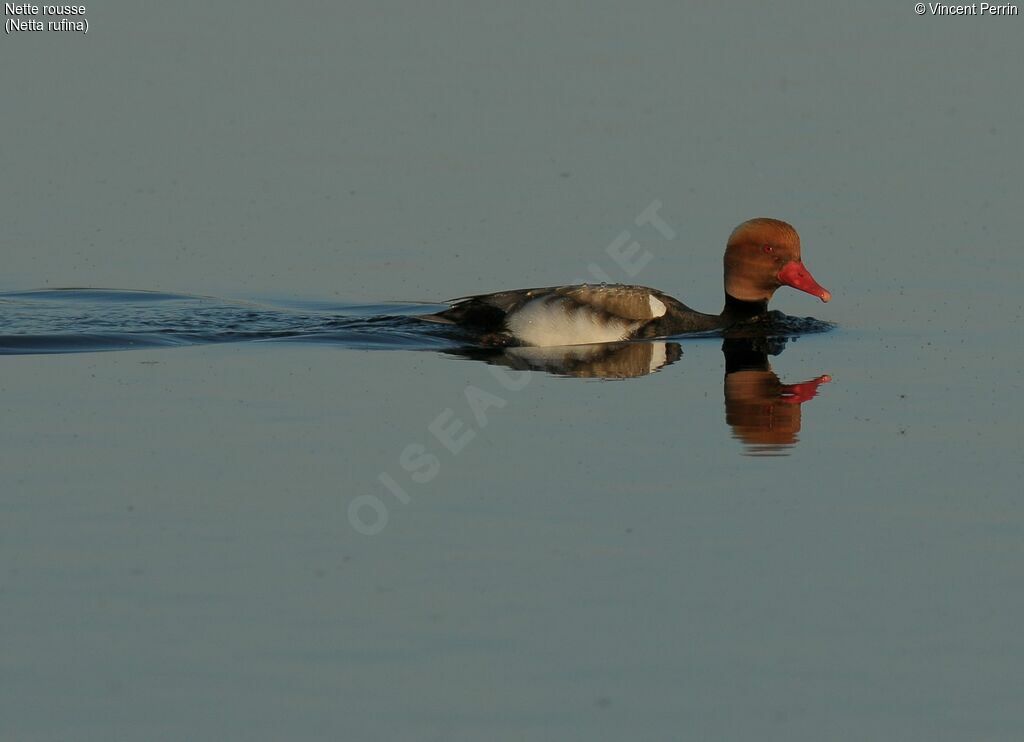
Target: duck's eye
pixel 767 248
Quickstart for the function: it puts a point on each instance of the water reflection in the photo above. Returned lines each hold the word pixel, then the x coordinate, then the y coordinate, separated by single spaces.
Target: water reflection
pixel 763 412
pixel 599 361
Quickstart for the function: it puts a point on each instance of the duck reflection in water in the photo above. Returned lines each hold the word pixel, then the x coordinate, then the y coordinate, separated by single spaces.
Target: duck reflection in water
pixel 763 412
pixel 623 360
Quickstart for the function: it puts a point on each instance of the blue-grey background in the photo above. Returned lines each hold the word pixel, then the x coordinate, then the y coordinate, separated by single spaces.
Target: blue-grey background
pixel 601 562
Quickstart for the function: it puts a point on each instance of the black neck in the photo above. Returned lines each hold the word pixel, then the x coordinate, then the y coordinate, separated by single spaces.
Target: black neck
pixel 737 309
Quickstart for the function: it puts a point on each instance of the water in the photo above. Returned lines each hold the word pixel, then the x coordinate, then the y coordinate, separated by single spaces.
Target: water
pixel 60 321
pixel 277 506
pixel 297 520
pixel 761 409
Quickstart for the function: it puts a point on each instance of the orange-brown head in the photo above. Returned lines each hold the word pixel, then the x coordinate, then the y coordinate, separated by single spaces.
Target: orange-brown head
pixel 762 255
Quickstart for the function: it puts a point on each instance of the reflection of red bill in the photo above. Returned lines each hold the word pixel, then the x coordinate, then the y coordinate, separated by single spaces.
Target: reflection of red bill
pixel 794 274
pixel 800 393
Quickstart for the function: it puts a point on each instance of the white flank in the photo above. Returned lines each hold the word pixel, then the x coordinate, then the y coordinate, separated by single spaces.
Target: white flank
pixel 544 322
pixel 657 306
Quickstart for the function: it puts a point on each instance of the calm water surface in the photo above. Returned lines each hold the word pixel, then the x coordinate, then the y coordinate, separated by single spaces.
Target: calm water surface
pixel 276 506
pixel 597 557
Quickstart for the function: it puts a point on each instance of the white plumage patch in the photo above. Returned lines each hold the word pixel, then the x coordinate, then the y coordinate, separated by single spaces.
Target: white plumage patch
pixel 657 306
pixel 550 320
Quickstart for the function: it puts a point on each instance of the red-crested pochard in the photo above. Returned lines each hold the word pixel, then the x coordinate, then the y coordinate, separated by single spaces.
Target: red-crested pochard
pixel 761 256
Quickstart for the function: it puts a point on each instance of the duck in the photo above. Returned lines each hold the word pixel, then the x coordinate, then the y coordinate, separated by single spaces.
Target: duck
pixel 761 256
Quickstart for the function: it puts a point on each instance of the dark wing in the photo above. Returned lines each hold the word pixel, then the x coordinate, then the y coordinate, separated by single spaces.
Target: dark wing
pixel 506 301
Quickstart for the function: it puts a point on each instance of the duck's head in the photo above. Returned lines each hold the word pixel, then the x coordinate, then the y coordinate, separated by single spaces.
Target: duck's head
pixel 762 255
